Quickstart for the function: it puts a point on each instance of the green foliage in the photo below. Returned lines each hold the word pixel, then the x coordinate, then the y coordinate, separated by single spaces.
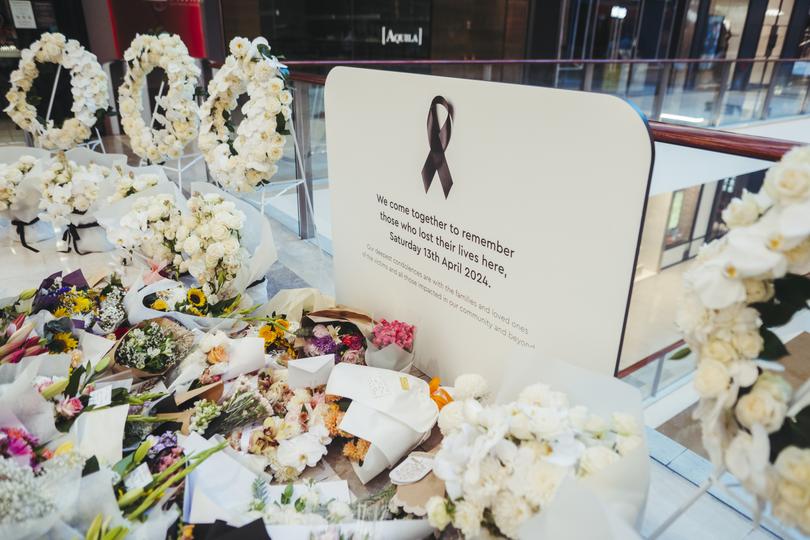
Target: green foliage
pixel 794 432
pixel 773 349
pixel 681 354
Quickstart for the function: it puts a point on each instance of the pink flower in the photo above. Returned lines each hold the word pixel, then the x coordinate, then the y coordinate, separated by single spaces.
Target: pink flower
pixel 319 331
pixel 354 356
pixel 393 333
pixel 69 408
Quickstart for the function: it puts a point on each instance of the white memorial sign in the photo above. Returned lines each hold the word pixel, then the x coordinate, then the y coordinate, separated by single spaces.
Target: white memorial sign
pixel 509 223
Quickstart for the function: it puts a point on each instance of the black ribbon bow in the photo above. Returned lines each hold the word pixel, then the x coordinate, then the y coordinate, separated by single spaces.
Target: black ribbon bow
pixel 71 235
pixel 438 138
pixel 20 225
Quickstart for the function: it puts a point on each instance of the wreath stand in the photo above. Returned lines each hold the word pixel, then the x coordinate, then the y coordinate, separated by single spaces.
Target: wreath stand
pixel 92 144
pixel 715 481
pixel 190 159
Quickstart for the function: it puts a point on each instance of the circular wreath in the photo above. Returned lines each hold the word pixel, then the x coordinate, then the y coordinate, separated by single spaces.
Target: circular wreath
pixel 88 84
pixel 177 125
pixel 754 424
pixel 244 157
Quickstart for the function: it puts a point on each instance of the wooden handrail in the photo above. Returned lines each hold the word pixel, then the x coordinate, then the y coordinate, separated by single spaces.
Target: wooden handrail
pixel 726 142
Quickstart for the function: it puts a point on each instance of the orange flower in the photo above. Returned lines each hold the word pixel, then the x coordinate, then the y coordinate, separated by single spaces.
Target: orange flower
pixel 218 354
pixel 356 450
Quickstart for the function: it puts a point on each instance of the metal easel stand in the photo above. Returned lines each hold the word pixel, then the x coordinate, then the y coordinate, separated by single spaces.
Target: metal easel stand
pixel 191 159
pixel 180 168
pixel 92 144
pixel 714 481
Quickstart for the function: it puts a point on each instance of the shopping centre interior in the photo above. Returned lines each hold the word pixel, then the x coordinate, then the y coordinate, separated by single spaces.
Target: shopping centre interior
pixel 734 68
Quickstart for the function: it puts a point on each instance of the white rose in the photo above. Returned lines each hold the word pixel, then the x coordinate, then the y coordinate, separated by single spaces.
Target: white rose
pixel 520 426
pixel 596 458
pixel 542 396
pixel 741 212
pixel 595 424
pixel 788 183
pixel 470 386
pixel 191 245
pixel 626 444
pixel 774 384
pixel 437 515
pixel 467 517
pixel 749 344
pixel 451 417
pixel 720 350
pixel 509 513
pixel 339 511
pixel 239 46
pixel 712 378
pixel 760 407
pixel 625 424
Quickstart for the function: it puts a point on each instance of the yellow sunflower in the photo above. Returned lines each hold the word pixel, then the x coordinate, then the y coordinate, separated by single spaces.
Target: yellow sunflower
pixel 268 333
pixel 61 312
pixel 160 305
pixel 283 323
pixel 65 341
pixel 82 304
pixel 196 298
pixel 194 311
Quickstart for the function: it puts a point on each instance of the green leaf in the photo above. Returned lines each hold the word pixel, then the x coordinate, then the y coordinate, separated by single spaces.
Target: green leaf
pixel 792 433
pixel 773 349
pixel 773 314
pixel 281 124
pixel 792 289
pixel 300 505
pixel 90 466
pixel 286 496
pixel 681 354
pixel 73 382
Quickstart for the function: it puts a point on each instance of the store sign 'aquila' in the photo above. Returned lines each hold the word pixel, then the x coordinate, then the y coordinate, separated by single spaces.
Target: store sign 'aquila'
pixel 389 36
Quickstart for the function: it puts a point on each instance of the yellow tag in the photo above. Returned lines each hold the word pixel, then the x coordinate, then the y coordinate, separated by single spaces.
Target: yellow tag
pixel 63 448
pixel 403 382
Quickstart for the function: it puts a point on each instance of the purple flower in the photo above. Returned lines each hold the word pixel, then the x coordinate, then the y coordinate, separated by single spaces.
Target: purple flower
pixel 325 344
pixel 166 441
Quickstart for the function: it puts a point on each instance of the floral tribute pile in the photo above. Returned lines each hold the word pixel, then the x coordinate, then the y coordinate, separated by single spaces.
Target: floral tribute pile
pixel 743 286
pixel 94 406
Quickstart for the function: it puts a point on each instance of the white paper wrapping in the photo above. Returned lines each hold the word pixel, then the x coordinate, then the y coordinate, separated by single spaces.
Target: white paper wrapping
pixel 294 302
pixel 100 433
pixel 19 397
pixel 391 357
pixel 618 491
pixel 138 312
pixel 257 239
pixel 393 411
pixel 244 356
pixel 28 195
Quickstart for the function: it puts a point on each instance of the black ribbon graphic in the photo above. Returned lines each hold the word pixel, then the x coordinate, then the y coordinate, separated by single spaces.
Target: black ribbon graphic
pixel 71 235
pixel 20 225
pixel 439 138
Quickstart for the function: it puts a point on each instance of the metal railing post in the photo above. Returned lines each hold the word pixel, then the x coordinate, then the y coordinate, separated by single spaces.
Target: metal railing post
pixel 301 123
pixel 766 103
pixel 720 101
pixel 661 91
pixel 659 369
pixel 587 80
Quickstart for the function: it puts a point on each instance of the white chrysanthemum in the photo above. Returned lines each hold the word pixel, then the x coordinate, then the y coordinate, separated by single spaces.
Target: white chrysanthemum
pixel 450 417
pixel 470 386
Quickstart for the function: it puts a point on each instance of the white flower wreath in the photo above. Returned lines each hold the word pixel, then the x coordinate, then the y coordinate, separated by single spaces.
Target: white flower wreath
pixel 88 85
pixel 246 157
pixel 754 424
pixel 178 123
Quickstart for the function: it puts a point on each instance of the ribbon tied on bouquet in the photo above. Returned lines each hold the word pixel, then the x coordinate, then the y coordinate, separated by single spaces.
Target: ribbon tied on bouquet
pixel 438 138
pixel 71 236
pixel 20 226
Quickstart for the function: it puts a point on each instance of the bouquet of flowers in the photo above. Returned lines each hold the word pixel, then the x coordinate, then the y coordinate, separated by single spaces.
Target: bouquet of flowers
pixel 68 188
pixel 343 339
pixel 293 435
pixel 131 183
pixel 17 341
pixel 501 464
pixel 192 301
pixel 11 176
pixel 21 446
pixel 211 239
pixel 279 336
pixel 391 346
pixel 152 347
pixel 151 228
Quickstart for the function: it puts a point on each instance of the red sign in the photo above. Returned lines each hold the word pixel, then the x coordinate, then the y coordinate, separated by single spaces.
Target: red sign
pixel 181 17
